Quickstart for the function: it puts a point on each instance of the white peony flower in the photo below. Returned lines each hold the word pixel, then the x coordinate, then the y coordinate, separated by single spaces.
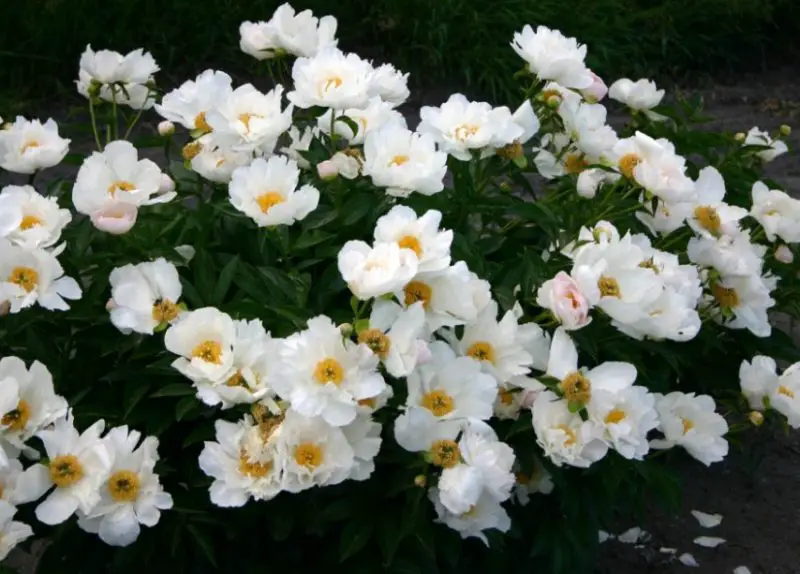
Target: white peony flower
pixel 341 163
pixel 460 126
pixel 77 465
pixel 144 296
pixel 667 216
pixel 563 298
pixel 190 104
pixel 331 79
pixel 107 67
pixel 625 418
pixel 404 162
pixel 786 397
pixel 759 380
pixel 586 125
pixel 490 458
pixel 552 56
pixel 29 146
pixel 390 85
pixel 11 531
pixel 761 138
pixel 15 484
pixel 204 340
pixel 298 34
pixel 777 212
pixel 216 162
pixel 711 216
pixel 590 180
pixel 744 302
pixel 419 234
pixel 732 256
pixel 395 335
pixel 132 495
pixel 691 422
pixel 537 481
pixel 31 220
pixel 459 488
pixel 564 436
pixel 117 175
pixel 375 271
pixel 417 429
pixel 248 120
pixel 373 117
pixel 324 375
pixel 36 276
pixel 641 95
pixel 486 514
pixel 267 191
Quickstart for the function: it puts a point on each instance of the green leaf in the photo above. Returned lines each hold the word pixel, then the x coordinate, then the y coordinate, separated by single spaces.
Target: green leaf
pixel 225 278
pixel 184 406
pixel 202 540
pixel 134 393
pixel 201 433
pixel 357 208
pixel 350 124
pixel 321 216
pixel 281 525
pixel 174 390
pixel 312 237
pixel 354 538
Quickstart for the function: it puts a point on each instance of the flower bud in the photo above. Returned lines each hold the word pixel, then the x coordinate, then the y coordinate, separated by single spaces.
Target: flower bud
pixel 110 305
pixel 786 130
pixel 115 219
pixel 420 481
pixel 166 128
pixel 553 102
pixel 327 170
pixel 596 91
pixel 166 184
pixel 756 418
pixel 784 254
pixel 739 137
pixel 511 151
pixel 346 329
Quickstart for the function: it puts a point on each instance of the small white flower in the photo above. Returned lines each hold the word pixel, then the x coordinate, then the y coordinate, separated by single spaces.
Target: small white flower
pixel 691 422
pixel 626 418
pixel 563 298
pixel 390 85
pixel 761 138
pixel 711 216
pixel 744 303
pixel 707 520
pixel 216 162
pixel 783 253
pixel 758 380
pixel 491 458
pixel 28 277
pixel 331 79
pixel 395 335
pixel 116 218
pixel 486 514
pixel 732 256
pixel 538 481
pixel 777 212
pixel 667 216
pixel 204 340
pixel 374 116
pixel 590 180
pixel 144 296
pixel 597 91
pixel 29 146
pixel 31 220
pixel 341 163
pixel 552 56
pixel 267 191
pixel 324 375
pixel 641 95
pixel 786 397
pixel 108 67
pixel 132 495
pixel 419 234
pixel 586 125
pixel 190 104
pixel 11 532
pixel 117 175
pixel 375 271
pixel 298 34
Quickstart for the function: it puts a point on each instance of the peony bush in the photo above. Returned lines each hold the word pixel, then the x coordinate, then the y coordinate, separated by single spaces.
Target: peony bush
pixel 289 331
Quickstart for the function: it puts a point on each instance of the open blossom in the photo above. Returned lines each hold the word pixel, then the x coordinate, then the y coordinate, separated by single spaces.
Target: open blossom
pixel 563 298
pixel 374 271
pixel 404 161
pixel 731 255
pixel 204 340
pixel 759 380
pixel 564 436
pixel 786 397
pixel 190 104
pixel 121 79
pixel 586 125
pixel 639 95
pixel 374 116
pixel 744 302
pixel 390 85
pixel 29 219
pixel 711 216
pixel 486 514
pixel 396 336
pixel 691 422
pixel 761 138
pixel 331 79
pixel 459 126
pixel 11 531
pixel 36 276
pixel 249 120
pixel 626 418
pixel 267 191
pixel 117 175
pixel 777 212
pixel 216 161
pixel 132 495
pixel 298 34
pixel 144 296
pixel 29 146
pixel 419 234
pixel 115 218
pixel 323 375
pixel 552 56
pixel 666 217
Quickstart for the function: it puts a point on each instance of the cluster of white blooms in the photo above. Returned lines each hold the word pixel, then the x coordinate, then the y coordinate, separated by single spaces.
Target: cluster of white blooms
pixel 764 389
pixel 108 481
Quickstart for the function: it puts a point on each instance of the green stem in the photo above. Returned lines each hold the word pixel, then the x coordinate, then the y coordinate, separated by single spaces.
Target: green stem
pixel 135 120
pixel 115 125
pixel 94 124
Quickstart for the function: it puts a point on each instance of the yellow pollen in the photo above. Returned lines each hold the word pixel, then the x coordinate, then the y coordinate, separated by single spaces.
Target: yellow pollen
pixel 547 94
pixel 377 342
pixel 220 163
pixel 412 243
pixel 608 287
pixel 576 387
pixel 29 221
pixel 418 291
pixel 65 470
pixel 615 416
pixel 687 425
pixel 782 390
pixel 268 423
pixel 575 163
pixel 269 200
pixel 164 311
pixel 17 419
pixel 32 144
pixel 438 402
pixel 208 351
pixel 473 510
pixel 482 351
pixel 329 370
pixel 236 380
pixel 120 186
pixel 725 296
pixel 25 277
pixel 627 163
pixel 511 151
pixel 650 264
pixel 124 486
pixel 464 131
pixel 333 82
pixel 201 124
pixel 445 453
pixel 253 469
pixel 308 454
pixel 506 397
pixel 367 403
pixel 355 153
pixel 399 160
pixel 191 150
pixel 246 118
pixel 708 218
pixel 571 437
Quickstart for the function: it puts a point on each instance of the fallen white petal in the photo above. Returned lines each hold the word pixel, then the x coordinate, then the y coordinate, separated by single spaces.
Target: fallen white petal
pixel 709 541
pixel 707 520
pixel 741 570
pixel 688 560
pixel 603 536
pixel 631 535
pixel 668 550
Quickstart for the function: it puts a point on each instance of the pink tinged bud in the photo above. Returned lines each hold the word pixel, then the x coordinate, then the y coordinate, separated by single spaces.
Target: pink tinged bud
pixel 562 296
pixel 784 254
pixel 111 305
pixel 596 91
pixel 529 397
pixel 115 219
pixel 327 170
pixel 166 128
pixel 423 352
pixel 166 184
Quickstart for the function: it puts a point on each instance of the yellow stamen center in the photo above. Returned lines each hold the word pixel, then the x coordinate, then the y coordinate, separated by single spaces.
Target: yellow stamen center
pixel 65 470
pixel 367 403
pixel 615 416
pixel 191 150
pixel 329 370
pixel 608 287
pixel 25 277
pixel 412 243
pixel 236 380
pixel 29 221
pixel 376 341
pixel 201 124
pixel 438 402
pixel 725 296
pixel 687 425
pixel 418 291
pixel 506 397
pixel 164 311
pixel 269 200
pixel 120 186
pixel 399 160
pixel 464 131
pixel 17 419
pixel 547 94
pixel 482 351
pixel 627 163
pixel 785 391
pixel 650 264
pixel 330 83
pixel 576 387
pixel 708 218
pixel 445 453
pixel 253 469
pixel 246 119
pixel 208 351
pixel 124 486
pixel 571 438
pixel 309 455
pixel 28 145
pixel 575 163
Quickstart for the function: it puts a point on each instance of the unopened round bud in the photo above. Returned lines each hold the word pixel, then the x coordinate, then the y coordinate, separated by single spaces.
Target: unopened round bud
pixel 756 418
pixel 786 130
pixel 420 481
pixel 166 128
pixel 784 254
pixel 553 102
pixel 111 305
pixel 327 170
pixel 739 137
pixel 346 329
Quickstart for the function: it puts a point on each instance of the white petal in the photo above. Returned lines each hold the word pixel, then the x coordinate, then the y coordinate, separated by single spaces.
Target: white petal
pixel 631 535
pixel 709 541
pixel 707 520
pixel 741 570
pixel 688 560
pixel 57 508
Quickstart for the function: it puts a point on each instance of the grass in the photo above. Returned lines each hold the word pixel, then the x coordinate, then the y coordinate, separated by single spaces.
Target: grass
pixel 463 43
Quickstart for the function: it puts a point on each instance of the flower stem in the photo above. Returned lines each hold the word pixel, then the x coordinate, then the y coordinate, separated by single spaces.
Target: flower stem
pixel 115 126
pixel 94 124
